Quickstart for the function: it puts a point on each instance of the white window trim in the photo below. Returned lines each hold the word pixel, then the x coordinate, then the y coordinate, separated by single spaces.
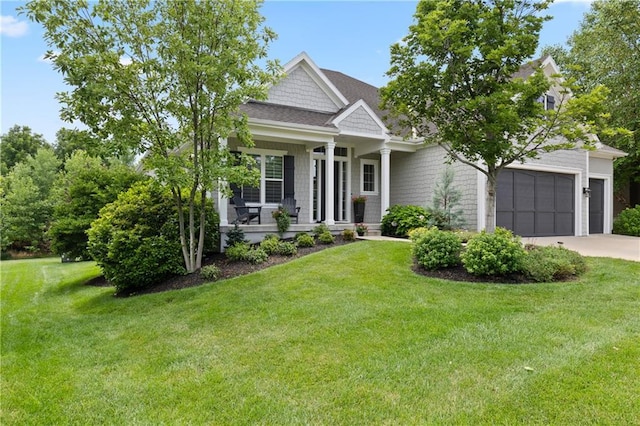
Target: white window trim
pixel 263 164
pixel 376 175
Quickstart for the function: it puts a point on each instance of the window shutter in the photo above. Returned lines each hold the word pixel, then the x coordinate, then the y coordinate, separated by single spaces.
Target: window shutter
pixel 551 102
pixel 237 191
pixel 289 176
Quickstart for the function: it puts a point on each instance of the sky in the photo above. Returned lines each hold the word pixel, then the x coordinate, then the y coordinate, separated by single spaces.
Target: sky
pixel 352 37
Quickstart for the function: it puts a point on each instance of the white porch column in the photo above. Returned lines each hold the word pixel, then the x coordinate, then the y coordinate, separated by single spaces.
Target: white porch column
pixel 329 193
pixel 385 155
pixel 223 202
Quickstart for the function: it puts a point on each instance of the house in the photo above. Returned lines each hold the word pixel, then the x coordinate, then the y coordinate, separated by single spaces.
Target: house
pixel 321 139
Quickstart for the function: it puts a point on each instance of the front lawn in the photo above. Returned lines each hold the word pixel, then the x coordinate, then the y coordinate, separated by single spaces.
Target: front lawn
pixel 348 335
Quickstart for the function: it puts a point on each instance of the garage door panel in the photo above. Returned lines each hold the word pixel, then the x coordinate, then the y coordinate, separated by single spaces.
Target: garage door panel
pixel 524 197
pixel 533 203
pixel 524 223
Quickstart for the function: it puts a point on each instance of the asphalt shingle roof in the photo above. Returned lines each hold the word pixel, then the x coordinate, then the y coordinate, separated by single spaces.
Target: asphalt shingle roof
pixel 287 114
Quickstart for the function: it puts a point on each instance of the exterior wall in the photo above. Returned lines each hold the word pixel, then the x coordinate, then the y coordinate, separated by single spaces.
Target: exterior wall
pixel 360 121
pixel 414 177
pixel 372 211
pixel 298 89
pixel 601 166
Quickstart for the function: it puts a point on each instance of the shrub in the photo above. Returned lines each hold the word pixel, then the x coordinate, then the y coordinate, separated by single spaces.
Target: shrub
pixel 320 229
pixel 237 252
pixel 326 238
pixel 628 222
pixel 465 236
pixel 256 255
pixel 499 253
pixel 399 220
pixel 235 236
pixel 134 240
pixel 544 264
pixel 210 272
pixel 416 233
pixel 286 248
pixel 348 235
pixel 435 249
pixel 304 240
pixel 270 244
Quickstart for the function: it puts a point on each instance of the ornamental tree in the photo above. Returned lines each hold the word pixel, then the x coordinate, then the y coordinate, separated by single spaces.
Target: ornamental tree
pixel 165 79
pixel 454 83
pixel 605 49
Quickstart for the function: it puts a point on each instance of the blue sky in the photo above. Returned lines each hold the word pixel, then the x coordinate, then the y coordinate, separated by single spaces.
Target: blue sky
pixel 348 36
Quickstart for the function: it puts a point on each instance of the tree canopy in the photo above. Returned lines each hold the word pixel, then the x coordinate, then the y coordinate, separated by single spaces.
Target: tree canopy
pixel 165 79
pixel 17 144
pixel 605 49
pixel 454 82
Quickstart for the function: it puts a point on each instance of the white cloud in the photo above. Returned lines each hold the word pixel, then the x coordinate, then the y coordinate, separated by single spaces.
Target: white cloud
pixel 125 60
pixel 11 27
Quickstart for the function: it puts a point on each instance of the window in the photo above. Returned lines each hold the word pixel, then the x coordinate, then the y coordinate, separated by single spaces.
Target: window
pixel 369 177
pixel 270 189
pixel 548 101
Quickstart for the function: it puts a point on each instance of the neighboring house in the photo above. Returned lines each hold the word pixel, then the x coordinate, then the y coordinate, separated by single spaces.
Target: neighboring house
pixel 321 139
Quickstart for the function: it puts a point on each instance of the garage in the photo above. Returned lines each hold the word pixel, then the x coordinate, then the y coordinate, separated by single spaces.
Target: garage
pixel 536 204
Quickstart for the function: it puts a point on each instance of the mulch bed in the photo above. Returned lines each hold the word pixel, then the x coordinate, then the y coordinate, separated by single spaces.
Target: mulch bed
pixel 228 269
pixel 458 273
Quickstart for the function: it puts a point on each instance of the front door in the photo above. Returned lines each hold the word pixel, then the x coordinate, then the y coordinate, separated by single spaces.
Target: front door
pixel 340 185
pixel 596 206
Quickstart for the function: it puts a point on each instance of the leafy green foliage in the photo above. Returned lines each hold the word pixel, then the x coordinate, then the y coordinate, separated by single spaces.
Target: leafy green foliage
pixel 133 240
pixel 210 272
pixel 605 50
pixel 26 204
pixel 286 248
pixel 399 220
pixel 628 222
pixel 499 253
pixel 83 188
pixel 283 221
pixel 452 83
pixel 348 235
pixel 256 255
pixel 303 239
pixel 237 251
pixel 18 144
pixel 326 238
pixel 270 244
pixel 436 249
pixel 320 229
pixel 165 78
pixel 545 264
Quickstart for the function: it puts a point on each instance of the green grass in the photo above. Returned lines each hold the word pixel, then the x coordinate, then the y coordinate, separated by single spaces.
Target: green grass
pixel 348 335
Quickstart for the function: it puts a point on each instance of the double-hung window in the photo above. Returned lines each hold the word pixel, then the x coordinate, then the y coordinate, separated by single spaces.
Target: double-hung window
pixel 270 188
pixel 369 177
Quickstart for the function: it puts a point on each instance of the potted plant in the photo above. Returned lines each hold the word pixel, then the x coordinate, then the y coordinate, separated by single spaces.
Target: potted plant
pixel 281 215
pixel 361 229
pixel 358 207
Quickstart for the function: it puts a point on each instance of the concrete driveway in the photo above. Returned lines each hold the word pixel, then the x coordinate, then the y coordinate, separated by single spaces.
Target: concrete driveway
pixel 598 245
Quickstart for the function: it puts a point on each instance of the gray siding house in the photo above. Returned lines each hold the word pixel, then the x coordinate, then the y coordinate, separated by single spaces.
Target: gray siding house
pixel 320 138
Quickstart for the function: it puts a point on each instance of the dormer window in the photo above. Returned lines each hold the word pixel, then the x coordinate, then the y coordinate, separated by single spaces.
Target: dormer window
pixel 548 101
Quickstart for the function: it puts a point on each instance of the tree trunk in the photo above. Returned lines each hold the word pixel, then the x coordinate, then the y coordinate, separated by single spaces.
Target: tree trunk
pixel 490 205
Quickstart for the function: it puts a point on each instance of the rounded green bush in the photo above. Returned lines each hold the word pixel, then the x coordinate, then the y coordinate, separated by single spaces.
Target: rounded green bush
pixel 256 255
pixel 134 239
pixel 545 264
pixel 286 248
pixel 628 222
pixel 499 253
pixel 326 238
pixel 237 252
pixel 435 249
pixel 270 244
pixel 304 240
pixel 348 235
pixel 210 272
pixel 399 220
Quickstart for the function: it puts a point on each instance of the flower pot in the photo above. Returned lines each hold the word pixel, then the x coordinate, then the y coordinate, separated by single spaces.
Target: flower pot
pixel 358 212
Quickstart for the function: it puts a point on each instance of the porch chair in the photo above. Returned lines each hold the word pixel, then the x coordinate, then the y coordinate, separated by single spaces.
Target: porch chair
pixel 245 213
pixel 289 204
